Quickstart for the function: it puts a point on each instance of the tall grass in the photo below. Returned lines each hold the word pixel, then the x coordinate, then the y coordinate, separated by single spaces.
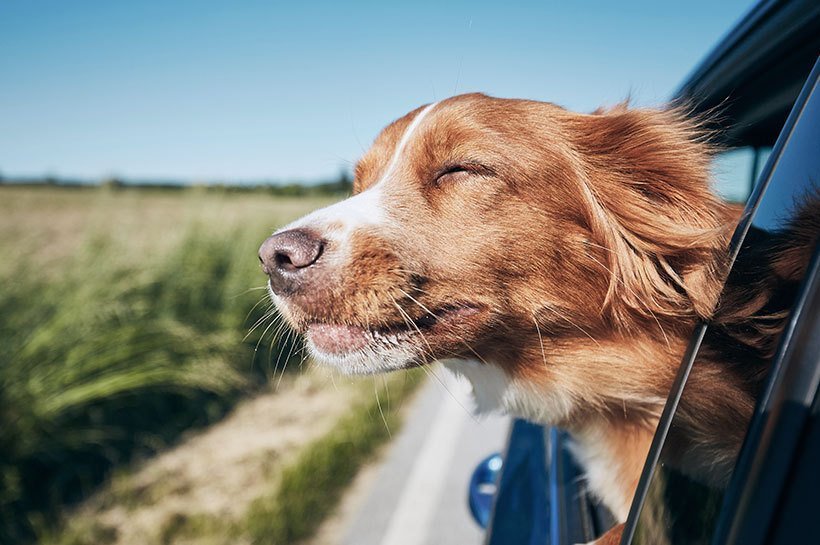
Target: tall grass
pixel 105 356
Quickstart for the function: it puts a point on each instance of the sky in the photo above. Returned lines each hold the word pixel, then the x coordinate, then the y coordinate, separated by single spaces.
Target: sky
pixel 248 90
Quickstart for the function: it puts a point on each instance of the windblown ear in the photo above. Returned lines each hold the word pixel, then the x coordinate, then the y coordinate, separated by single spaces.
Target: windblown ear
pixel 646 190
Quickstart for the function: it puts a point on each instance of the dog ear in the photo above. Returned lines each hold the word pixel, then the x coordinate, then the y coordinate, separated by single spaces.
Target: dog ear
pixel 646 191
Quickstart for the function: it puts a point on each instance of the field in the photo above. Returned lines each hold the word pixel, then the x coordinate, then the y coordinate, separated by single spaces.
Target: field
pixel 127 319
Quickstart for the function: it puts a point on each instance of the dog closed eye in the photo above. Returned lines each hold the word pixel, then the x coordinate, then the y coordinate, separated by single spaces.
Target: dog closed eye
pixel 460 172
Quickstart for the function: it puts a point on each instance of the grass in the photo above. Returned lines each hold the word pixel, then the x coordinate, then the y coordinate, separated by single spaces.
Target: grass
pixel 122 317
pixel 297 496
pixel 310 487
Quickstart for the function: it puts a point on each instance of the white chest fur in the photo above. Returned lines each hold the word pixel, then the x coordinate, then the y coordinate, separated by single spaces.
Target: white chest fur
pixel 495 391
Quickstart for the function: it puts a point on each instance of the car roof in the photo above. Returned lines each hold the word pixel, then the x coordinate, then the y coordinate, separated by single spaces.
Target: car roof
pixel 753 76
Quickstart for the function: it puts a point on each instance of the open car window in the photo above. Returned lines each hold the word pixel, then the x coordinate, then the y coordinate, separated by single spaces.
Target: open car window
pixel 681 493
pixel 736 170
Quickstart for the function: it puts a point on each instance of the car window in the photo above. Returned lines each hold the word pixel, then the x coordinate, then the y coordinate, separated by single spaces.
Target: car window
pixel 684 495
pixel 734 171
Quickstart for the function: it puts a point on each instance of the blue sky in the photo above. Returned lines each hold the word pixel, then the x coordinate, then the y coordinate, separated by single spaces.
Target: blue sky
pixel 243 90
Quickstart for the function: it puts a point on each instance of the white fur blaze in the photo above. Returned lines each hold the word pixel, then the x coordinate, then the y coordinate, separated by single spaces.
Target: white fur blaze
pixel 367 209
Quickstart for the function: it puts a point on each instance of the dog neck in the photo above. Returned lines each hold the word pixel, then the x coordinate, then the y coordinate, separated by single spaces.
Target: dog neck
pixel 611 418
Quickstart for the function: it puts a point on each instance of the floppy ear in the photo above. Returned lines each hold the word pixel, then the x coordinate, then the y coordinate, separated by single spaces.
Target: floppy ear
pixel 646 189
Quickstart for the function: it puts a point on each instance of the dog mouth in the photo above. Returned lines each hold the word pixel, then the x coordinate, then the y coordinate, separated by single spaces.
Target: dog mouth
pixel 343 339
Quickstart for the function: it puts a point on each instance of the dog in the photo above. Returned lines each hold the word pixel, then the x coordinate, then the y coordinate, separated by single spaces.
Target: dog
pixel 559 261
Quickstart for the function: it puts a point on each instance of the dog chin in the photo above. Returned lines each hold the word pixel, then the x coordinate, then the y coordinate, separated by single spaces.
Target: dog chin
pixel 366 361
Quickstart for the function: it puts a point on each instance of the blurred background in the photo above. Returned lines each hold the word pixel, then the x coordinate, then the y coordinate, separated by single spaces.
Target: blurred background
pixel 147 393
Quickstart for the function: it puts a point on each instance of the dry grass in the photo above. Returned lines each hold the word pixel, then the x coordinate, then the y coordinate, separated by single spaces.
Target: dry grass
pixel 47 225
pixel 122 317
pixel 269 473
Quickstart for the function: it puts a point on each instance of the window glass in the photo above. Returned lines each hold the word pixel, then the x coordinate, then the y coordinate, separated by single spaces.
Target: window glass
pixel 762 157
pixel 697 459
pixel 734 171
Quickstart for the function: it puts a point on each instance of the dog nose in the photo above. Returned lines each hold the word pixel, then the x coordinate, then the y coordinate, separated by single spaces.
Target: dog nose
pixel 285 256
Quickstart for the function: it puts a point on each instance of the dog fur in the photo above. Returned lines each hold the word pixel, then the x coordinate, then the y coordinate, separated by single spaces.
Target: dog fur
pixel 558 260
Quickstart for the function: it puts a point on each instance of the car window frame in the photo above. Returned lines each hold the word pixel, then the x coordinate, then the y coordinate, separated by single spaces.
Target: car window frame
pixel 774 441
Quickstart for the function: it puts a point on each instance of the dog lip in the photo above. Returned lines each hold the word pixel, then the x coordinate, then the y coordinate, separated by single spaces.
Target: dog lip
pixel 338 339
pixel 341 339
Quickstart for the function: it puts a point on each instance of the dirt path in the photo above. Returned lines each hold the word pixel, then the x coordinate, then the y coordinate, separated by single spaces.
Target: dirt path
pixel 218 472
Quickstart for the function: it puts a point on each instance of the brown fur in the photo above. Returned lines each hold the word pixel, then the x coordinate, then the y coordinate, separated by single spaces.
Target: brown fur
pixel 585 246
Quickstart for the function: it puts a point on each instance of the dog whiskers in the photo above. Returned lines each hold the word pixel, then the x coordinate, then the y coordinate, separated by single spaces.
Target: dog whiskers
pixel 261 300
pixel 540 340
pixel 256 348
pixel 269 313
pixel 411 323
pixel 292 343
pixel 432 373
pixel 379 405
pixel 284 340
pixel 471 349
pixel 248 291
pixel 413 299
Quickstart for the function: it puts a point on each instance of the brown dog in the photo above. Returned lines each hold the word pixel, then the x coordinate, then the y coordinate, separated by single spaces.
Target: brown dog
pixel 557 260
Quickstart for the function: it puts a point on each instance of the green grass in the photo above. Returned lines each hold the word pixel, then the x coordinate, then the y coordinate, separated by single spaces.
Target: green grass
pixel 122 317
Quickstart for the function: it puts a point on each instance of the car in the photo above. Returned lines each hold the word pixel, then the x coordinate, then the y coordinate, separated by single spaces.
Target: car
pixel 763 79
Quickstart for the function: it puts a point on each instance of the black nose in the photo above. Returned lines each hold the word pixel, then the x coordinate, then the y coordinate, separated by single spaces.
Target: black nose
pixel 286 256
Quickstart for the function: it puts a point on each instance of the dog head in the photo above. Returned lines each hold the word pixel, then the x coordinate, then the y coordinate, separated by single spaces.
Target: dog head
pixel 504 231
